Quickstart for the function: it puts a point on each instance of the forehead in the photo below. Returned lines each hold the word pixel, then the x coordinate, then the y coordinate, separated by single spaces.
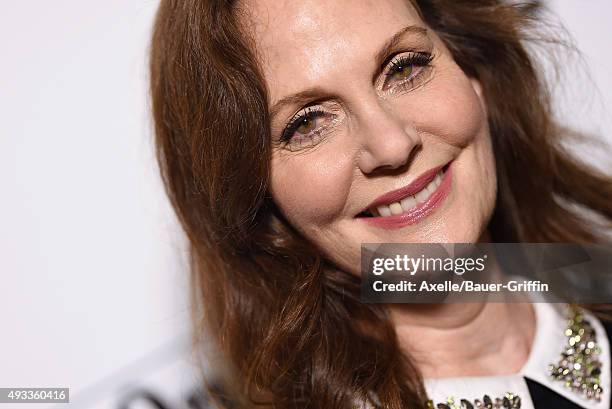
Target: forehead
pixel 304 41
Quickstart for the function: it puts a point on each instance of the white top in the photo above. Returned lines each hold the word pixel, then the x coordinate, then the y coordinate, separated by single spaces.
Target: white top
pixel 550 340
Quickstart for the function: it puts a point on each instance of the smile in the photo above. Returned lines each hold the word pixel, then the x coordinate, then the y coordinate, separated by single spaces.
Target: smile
pixel 411 203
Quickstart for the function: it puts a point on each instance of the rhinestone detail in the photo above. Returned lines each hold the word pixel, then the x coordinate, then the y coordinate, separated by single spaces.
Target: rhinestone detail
pixel 508 401
pixel 579 367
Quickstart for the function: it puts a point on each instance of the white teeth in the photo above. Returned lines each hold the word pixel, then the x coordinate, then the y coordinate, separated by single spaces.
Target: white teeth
pixel 396 208
pixel 384 211
pixel 422 196
pixel 409 202
pixel 438 180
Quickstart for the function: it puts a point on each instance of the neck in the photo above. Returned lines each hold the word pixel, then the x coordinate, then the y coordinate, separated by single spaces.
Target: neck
pixel 470 339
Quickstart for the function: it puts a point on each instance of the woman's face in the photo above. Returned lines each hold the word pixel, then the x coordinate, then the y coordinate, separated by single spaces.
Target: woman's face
pixel 378 135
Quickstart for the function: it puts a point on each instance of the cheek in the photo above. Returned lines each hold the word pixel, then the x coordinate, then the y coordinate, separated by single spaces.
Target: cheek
pixel 451 109
pixel 311 188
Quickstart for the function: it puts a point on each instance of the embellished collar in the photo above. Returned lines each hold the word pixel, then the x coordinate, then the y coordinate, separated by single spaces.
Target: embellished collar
pixel 570 355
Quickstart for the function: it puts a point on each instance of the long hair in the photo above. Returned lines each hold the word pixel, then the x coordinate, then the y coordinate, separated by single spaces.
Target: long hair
pixel 289 327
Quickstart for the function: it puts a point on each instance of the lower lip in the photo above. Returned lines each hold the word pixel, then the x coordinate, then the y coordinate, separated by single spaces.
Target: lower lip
pixel 418 213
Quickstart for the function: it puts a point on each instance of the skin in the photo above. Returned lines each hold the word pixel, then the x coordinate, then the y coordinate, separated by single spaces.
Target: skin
pixel 378 134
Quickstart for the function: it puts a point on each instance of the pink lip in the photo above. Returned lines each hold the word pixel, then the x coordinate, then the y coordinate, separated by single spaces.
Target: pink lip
pixel 419 212
pixel 415 187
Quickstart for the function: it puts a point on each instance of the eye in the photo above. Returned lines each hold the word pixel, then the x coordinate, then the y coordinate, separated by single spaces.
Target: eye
pixel 404 69
pixel 306 127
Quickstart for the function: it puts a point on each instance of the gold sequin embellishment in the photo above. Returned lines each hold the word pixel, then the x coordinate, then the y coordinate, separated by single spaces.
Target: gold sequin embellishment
pixel 579 366
pixel 509 401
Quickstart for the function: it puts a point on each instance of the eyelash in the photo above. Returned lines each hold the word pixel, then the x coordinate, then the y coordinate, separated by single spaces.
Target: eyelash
pixel 310 113
pixel 394 66
pixel 414 59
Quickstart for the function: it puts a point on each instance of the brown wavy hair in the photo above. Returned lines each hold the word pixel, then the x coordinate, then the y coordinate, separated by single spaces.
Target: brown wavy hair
pixel 291 330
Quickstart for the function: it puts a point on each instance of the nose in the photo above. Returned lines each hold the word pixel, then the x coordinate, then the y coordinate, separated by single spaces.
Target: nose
pixel 387 141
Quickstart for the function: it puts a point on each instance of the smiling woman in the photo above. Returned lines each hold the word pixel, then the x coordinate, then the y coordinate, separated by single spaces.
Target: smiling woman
pixel 381 118
pixel 291 132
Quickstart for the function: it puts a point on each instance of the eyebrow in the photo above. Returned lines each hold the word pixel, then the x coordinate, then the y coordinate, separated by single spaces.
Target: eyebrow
pixel 300 98
pixel 393 42
pixel 309 94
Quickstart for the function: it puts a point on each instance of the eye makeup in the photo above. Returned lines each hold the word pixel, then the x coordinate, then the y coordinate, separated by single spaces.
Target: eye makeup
pixel 307 127
pixel 405 63
pixel 404 69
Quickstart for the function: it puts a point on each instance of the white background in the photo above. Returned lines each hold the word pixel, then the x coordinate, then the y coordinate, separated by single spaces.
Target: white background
pixel 93 290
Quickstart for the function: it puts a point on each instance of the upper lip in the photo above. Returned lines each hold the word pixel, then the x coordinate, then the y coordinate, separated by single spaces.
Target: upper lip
pixel 409 190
